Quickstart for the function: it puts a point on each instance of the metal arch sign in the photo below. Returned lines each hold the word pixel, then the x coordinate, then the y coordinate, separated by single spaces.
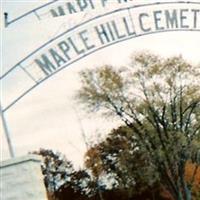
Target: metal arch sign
pixel 99 32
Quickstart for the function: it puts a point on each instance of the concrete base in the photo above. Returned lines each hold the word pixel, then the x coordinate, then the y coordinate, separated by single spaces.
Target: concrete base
pixel 22 179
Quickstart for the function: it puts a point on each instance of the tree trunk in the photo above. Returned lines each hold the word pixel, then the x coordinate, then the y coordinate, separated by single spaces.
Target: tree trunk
pixel 100 195
pixel 184 195
pixel 188 195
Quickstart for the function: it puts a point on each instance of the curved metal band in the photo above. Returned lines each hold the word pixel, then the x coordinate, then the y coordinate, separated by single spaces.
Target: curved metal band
pixel 29 12
pixel 54 1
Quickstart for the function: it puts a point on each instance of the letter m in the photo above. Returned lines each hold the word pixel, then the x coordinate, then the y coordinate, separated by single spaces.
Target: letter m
pixel 171 19
pixel 45 65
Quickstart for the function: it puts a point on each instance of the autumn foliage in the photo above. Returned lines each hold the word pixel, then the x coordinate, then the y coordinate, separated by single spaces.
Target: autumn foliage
pixel 192 174
pixel 154 154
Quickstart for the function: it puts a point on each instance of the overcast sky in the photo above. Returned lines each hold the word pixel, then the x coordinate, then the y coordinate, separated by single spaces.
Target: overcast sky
pixel 48 117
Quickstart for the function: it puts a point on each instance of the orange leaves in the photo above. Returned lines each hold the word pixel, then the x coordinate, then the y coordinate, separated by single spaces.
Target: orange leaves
pixel 192 176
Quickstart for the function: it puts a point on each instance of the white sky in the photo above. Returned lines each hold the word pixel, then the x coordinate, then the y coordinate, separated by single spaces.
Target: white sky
pixel 46 117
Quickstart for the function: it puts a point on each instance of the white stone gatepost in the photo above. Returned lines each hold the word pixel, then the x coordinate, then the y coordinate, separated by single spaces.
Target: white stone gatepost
pixel 22 179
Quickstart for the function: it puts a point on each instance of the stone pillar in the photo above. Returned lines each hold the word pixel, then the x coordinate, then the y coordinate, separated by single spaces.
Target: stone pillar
pixel 22 179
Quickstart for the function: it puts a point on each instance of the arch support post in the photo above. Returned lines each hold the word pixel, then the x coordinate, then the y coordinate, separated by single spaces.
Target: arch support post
pixel 7 134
